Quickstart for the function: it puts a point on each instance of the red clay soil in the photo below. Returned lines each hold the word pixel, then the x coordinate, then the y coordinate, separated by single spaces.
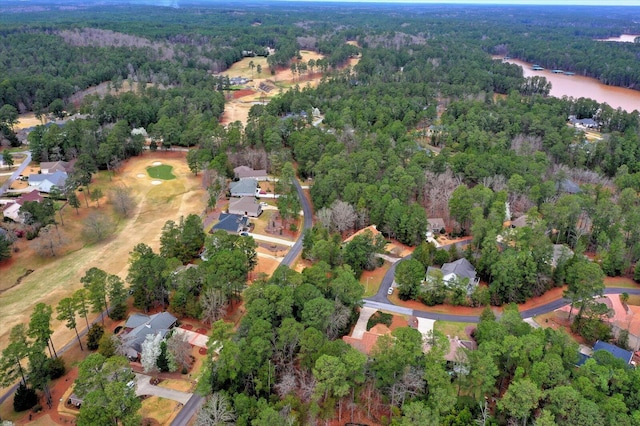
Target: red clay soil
pixel 237 94
pixel 186 326
pixel 51 414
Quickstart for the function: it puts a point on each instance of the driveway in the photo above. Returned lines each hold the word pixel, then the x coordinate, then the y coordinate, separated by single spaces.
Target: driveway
pixel 274 240
pixel 143 387
pixel 363 319
pixel 16 174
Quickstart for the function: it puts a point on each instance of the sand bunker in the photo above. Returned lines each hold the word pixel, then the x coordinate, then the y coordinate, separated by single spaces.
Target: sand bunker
pixel 141 175
pixel 156 182
pixel 157 163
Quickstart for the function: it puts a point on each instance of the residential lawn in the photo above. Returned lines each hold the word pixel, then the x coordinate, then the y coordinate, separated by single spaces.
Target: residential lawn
pixel 622 282
pixel 633 300
pixel 371 280
pixel 160 409
pixel 176 384
pixel 452 329
pixel 162 171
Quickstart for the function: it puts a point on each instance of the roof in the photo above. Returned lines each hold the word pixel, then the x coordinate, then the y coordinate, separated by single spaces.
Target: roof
pixel 243 172
pixel 245 204
pixel 558 251
pixel 143 325
pixel 46 180
pixel 57 166
pixel 436 222
pixel 613 350
pixel 230 222
pixel 244 186
pixel 569 186
pixel 461 267
pixel 520 222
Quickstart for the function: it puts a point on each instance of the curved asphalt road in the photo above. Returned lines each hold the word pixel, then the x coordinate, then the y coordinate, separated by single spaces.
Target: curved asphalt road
pixel 196 401
pixel 308 223
pixel 19 170
pixel 380 301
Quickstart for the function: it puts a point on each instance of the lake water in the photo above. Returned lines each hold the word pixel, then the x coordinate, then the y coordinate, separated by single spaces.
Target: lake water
pixel 624 38
pixel 584 87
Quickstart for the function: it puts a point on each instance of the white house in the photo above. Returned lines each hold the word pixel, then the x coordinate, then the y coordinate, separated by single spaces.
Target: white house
pixel 44 181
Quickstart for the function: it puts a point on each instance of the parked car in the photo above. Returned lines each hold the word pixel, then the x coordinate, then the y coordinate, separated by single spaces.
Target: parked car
pixel 390 291
pixel 244 234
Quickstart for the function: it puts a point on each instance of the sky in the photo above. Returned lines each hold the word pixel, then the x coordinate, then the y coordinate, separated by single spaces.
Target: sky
pixel 501 2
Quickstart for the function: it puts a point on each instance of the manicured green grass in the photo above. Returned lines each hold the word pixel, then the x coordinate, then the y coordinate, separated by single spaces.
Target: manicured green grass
pixel 452 329
pixel 162 171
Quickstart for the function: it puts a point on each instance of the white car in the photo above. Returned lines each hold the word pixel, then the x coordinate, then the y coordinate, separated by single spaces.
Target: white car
pixel 390 291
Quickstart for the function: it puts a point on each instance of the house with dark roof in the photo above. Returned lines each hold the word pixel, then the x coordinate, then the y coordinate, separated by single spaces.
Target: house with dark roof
pixel 245 172
pixel 138 326
pixel 614 350
pixel 245 206
pixel 232 223
pixel 43 182
pixel 244 188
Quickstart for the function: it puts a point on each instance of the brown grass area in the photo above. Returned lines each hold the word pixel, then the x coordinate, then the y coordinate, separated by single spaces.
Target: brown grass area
pixel 177 384
pixel 56 278
pixel 28 120
pixel 623 282
pixel 371 279
pixel 160 409
pixel 238 108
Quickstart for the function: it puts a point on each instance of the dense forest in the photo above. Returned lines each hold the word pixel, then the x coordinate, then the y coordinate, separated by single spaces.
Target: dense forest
pixel 426 125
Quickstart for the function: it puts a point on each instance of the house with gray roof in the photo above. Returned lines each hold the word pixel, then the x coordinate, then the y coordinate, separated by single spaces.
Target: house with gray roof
pixel 49 167
pixel 245 172
pixel 244 188
pixel 43 182
pixel 245 206
pixel 138 326
pixel 455 272
pixel 435 225
pixel 232 223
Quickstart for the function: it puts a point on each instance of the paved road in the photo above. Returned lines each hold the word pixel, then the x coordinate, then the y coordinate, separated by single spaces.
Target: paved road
pixel 308 223
pixel 381 301
pixel 196 401
pixel 189 409
pixel 17 172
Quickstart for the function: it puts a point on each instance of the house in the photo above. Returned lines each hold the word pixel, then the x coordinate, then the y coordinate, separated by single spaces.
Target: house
pixel 12 210
pixel 44 181
pixel 455 271
pixel 568 186
pixel 614 350
pixel 520 222
pixel 560 251
pixel 138 326
pixel 435 225
pixel 232 223
pixel 245 206
pixel 244 172
pixel 586 123
pixel 244 188
pixel 56 166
